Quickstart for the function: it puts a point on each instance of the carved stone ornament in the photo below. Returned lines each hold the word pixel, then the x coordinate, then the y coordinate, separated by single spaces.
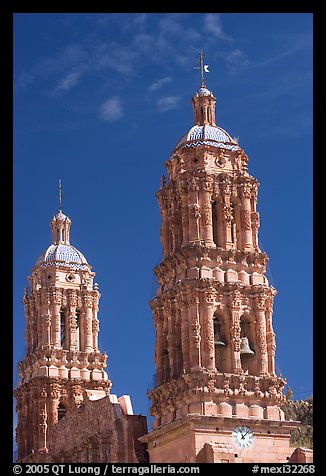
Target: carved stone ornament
pixel 193 184
pixel 228 215
pixel 207 214
pixel 255 220
pixel 246 219
pixel 207 184
pixel 194 209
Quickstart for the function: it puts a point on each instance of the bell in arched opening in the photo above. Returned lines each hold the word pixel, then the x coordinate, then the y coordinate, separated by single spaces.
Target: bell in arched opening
pixel 245 347
pixel 218 341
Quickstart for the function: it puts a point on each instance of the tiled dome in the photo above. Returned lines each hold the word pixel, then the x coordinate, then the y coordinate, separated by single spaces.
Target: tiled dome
pixel 63 254
pixel 207 135
pixel 204 92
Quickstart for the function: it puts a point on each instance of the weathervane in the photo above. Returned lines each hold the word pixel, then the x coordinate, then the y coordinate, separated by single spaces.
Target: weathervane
pixel 203 68
pixel 60 194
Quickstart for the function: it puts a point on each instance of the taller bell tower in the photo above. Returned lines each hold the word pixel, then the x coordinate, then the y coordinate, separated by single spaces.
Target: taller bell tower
pixel 216 396
pixel 63 364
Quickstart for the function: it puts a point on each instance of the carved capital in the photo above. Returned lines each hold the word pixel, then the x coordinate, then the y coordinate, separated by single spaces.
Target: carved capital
pixel 207 184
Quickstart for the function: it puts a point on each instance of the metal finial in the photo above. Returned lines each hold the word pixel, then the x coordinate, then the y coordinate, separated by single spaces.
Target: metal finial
pixel 201 65
pixel 203 69
pixel 60 194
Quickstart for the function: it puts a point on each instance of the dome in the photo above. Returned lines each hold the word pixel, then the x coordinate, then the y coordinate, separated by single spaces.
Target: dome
pixel 207 135
pixel 61 216
pixel 64 255
pixel 204 92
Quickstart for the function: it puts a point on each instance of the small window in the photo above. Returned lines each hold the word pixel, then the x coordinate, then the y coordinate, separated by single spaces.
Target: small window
pixel 61 411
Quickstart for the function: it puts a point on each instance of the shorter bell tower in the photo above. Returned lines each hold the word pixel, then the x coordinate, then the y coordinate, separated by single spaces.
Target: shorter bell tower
pixel 63 364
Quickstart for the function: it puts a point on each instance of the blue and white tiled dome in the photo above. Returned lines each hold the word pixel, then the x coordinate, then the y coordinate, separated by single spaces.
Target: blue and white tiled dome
pixel 64 255
pixel 204 92
pixel 207 135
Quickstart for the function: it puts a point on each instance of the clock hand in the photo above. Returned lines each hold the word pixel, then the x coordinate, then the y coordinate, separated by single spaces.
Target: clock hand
pixel 243 436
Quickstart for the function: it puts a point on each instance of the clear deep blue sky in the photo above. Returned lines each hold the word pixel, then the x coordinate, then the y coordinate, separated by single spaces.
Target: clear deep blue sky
pixel 100 101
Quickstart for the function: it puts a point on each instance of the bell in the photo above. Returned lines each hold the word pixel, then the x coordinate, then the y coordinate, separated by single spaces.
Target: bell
pixel 218 341
pixel 245 349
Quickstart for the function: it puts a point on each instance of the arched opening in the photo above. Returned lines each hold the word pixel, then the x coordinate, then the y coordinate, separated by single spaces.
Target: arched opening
pixel 247 350
pixel 220 342
pixel 78 333
pixel 233 224
pixel 62 411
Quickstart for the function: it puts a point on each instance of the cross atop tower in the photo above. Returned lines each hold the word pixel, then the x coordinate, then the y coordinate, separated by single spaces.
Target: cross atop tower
pixel 60 194
pixel 203 69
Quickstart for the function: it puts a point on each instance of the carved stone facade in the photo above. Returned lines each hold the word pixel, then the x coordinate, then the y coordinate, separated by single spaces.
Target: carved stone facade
pixel 215 344
pixel 63 381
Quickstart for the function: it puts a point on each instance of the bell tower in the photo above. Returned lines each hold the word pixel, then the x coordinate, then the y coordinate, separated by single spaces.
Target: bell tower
pixel 216 396
pixel 63 364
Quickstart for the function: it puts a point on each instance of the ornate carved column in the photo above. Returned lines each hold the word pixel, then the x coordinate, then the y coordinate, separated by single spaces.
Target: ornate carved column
pixel 53 403
pixel 42 424
pixel 183 193
pixel 206 211
pixel 270 336
pixel 246 216
pixel 158 319
pixel 55 317
pixel 194 334
pixel 207 326
pixel 261 335
pixel 95 321
pixel 185 333
pixel 27 311
pixel 72 302
pixel 236 341
pixel 193 210
pixel 227 214
pixel 89 327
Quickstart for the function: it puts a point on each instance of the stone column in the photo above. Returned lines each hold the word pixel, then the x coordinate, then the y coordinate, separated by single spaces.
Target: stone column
pixel 158 352
pixel 255 221
pixel 261 336
pixel 55 318
pixel 183 191
pixel 28 324
pixel 270 336
pixel 193 211
pixel 246 218
pixel 185 335
pixel 72 319
pixel 42 429
pixel 206 212
pixel 89 335
pixel 236 341
pixel 95 323
pixel 194 334
pixel 207 326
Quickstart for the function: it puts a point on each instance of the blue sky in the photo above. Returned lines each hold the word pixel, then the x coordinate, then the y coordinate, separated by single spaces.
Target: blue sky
pixel 100 100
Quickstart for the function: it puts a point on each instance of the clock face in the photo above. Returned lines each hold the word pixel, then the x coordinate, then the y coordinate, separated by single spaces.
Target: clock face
pixel 243 437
